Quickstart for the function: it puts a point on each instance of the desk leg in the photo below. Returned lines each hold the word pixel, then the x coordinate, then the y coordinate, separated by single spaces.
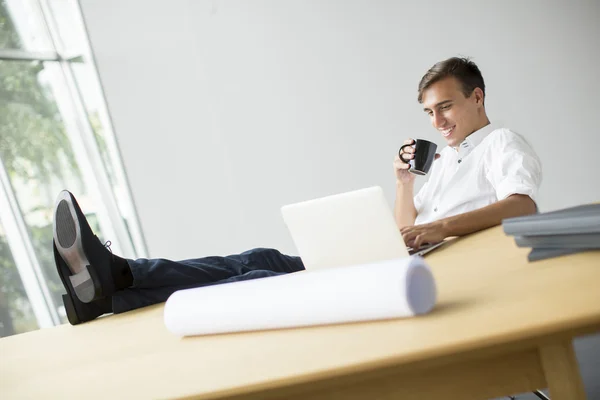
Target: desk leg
pixel 561 371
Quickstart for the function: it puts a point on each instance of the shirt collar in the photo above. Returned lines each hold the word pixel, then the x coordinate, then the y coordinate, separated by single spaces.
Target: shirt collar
pixel 474 139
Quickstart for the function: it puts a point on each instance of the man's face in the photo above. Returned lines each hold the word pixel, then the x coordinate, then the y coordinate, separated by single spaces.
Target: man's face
pixel 452 114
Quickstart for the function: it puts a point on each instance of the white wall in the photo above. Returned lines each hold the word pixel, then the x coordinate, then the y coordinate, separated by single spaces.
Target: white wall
pixel 226 110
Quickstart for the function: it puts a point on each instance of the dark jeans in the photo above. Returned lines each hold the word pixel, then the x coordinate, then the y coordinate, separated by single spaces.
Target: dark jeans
pixel 155 280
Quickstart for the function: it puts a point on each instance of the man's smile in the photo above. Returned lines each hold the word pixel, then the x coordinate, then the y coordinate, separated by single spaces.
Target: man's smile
pixel 448 131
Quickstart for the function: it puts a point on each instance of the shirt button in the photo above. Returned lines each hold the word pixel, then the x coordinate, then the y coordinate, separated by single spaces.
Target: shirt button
pixel 435 209
pixel 459 161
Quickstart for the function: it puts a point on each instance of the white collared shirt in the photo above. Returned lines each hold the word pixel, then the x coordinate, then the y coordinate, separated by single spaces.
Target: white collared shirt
pixel 490 165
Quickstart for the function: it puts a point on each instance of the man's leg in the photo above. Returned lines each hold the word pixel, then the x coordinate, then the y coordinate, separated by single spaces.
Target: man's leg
pixel 155 280
pixel 91 274
pixel 134 297
pixel 155 273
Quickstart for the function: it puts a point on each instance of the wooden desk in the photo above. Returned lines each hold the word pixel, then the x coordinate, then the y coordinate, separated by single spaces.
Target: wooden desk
pixel 501 326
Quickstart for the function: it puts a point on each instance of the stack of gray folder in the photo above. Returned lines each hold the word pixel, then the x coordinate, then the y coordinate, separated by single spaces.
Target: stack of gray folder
pixel 551 234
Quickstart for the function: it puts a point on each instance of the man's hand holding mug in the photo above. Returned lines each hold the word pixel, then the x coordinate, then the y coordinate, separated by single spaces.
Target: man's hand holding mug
pixel 414 158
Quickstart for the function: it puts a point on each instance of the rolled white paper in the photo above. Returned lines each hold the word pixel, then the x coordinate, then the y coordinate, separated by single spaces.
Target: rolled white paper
pixel 390 289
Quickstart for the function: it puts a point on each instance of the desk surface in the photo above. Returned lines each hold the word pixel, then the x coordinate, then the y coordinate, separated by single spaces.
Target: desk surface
pixel 489 296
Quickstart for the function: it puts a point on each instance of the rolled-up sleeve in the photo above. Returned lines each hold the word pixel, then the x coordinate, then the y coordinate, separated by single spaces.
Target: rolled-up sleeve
pixel 514 167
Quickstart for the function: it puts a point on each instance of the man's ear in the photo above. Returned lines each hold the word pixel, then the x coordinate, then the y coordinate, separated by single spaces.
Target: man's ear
pixel 478 93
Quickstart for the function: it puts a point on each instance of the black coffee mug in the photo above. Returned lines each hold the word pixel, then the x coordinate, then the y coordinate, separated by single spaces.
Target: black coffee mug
pixel 424 156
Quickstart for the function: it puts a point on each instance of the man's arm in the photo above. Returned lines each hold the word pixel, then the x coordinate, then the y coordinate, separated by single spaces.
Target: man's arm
pixel 513 206
pixel 405 212
pixel 404 207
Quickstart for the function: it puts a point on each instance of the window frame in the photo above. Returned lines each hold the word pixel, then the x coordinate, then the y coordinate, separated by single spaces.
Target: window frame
pixel 129 243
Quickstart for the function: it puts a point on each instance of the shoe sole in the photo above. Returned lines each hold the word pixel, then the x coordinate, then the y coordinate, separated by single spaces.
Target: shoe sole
pixel 68 242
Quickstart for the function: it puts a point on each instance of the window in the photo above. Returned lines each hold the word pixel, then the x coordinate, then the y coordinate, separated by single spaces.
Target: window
pixel 55 133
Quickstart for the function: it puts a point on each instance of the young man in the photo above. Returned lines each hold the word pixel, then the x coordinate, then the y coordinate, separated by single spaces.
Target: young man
pixel 483 176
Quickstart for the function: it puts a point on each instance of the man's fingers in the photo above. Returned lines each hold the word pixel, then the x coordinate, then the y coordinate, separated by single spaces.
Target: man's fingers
pixel 437 155
pixel 418 241
pixel 409 141
pixel 406 156
pixel 406 229
pixel 408 236
pixel 405 237
pixel 401 165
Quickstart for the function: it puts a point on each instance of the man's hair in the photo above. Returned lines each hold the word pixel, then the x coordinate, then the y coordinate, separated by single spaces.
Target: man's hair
pixel 464 70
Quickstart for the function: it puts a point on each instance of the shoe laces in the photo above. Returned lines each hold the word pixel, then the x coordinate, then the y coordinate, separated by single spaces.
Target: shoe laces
pixel 107 244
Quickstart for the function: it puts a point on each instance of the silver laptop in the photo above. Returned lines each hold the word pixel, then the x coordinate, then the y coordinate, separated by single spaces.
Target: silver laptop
pixel 345 229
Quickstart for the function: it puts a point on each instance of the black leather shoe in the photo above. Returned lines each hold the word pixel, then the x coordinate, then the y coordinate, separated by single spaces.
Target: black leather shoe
pixel 88 275
pixel 77 311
